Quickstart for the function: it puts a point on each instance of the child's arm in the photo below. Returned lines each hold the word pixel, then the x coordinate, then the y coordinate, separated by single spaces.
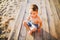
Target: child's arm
pixel 27 19
pixel 25 23
pixel 40 24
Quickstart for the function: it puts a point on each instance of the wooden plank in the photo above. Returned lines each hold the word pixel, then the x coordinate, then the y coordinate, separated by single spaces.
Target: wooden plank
pixel 57 6
pixel 14 35
pixel 45 27
pixel 55 15
pixel 51 22
pixel 13 26
pixel 23 32
pixel 21 19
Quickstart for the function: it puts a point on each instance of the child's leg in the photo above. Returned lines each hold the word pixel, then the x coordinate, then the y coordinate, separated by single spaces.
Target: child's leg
pixel 31 31
pixel 25 24
pixel 38 30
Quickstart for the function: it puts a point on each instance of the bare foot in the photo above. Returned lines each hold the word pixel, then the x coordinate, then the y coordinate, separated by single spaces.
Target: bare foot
pixel 30 32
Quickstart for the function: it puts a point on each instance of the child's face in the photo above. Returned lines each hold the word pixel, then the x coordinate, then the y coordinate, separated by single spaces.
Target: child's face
pixel 33 13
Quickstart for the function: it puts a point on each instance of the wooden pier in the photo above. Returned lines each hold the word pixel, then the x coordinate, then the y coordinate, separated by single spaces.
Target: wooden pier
pixel 48 31
pixel 49 16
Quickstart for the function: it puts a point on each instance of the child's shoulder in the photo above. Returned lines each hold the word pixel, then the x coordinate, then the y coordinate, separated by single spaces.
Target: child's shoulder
pixel 39 18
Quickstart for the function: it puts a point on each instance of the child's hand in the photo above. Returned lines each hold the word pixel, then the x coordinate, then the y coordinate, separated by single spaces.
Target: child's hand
pixel 38 30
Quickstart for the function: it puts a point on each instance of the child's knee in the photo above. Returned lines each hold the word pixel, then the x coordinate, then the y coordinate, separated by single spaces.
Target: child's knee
pixel 24 22
pixel 34 30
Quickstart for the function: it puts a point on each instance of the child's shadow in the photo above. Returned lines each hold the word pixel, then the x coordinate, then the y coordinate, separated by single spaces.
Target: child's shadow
pixel 43 35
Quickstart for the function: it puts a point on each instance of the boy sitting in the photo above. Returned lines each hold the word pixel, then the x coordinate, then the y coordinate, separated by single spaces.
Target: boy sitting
pixel 33 22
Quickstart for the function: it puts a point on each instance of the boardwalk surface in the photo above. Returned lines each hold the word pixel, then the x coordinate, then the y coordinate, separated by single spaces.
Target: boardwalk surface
pixel 48 29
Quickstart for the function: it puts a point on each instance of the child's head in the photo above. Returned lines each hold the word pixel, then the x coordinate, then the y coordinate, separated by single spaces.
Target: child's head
pixel 34 10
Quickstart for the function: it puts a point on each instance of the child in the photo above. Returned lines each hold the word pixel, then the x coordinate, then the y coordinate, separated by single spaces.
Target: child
pixel 33 22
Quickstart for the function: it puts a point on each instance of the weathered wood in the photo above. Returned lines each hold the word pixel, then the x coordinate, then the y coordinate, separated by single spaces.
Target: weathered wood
pixel 23 32
pixel 51 21
pixel 15 31
pixel 57 6
pixel 49 11
pixel 23 35
pixel 45 21
pixel 55 16
pixel 13 26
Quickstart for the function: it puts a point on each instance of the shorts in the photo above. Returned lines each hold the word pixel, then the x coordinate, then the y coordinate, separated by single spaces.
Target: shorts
pixel 32 26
